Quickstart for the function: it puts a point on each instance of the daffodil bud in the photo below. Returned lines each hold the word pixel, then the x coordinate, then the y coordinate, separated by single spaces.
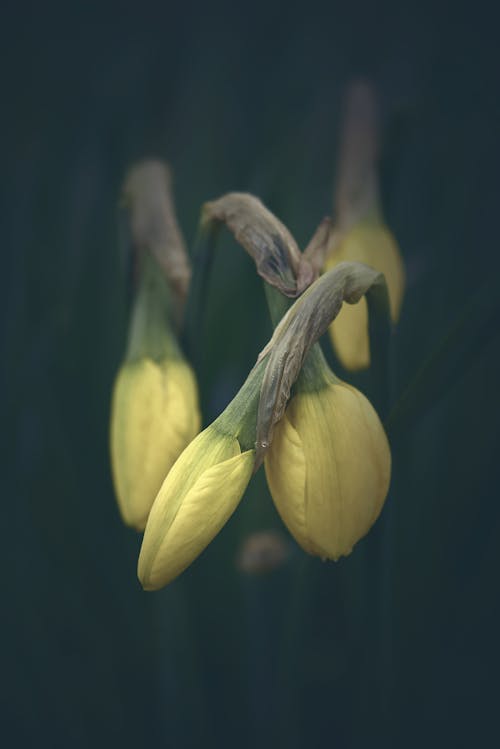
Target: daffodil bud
pixel 196 499
pixel 374 245
pixel 154 410
pixel 329 464
pixel 154 416
pixel 202 490
pixel 361 235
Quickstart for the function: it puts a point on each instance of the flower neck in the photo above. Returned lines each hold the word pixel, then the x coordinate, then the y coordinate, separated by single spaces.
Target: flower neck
pixel 315 373
pixel 150 330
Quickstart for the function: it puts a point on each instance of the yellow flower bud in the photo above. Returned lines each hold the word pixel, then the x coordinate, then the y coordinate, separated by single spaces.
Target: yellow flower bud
pixel 329 468
pixel 373 244
pixel 154 416
pixel 196 499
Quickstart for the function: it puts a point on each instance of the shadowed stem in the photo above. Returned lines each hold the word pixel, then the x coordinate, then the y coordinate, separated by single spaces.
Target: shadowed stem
pixel 203 255
pixel 458 350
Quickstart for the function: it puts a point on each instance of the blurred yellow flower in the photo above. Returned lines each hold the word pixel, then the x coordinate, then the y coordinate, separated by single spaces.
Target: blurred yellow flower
pixel 154 416
pixel 196 499
pixel 329 468
pixel 373 244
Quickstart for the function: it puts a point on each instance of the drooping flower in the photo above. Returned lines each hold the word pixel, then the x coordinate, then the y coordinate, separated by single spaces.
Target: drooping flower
pixel 329 465
pixel 196 499
pixel 373 244
pixel 154 416
pixel 154 410
pixel 202 490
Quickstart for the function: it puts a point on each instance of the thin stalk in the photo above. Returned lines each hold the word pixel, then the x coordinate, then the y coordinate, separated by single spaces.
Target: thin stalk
pixel 203 255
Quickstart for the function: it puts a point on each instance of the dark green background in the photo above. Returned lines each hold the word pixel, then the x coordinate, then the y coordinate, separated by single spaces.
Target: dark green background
pixel 397 644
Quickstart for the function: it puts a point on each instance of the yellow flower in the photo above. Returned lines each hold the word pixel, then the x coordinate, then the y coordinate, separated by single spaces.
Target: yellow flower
pixel 373 244
pixel 154 416
pixel 196 499
pixel 328 468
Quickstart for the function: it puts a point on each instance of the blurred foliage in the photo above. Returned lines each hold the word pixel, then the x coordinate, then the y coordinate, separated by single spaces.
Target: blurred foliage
pixel 395 645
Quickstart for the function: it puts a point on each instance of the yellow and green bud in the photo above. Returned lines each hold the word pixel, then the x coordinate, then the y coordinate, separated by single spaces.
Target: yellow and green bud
pixel 202 490
pixel 329 465
pixel 154 411
pixel 196 499
pixel 373 244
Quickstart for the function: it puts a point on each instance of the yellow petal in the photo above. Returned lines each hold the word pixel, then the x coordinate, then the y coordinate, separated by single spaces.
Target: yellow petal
pixel 349 335
pixel 375 246
pixel 345 491
pixel 209 448
pixel 285 466
pixel 154 416
pixel 347 469
pixel 191 508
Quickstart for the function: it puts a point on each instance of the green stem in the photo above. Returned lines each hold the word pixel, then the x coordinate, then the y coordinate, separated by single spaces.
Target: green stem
pixel 150 333
pixel 278 304
pixel 380 327
pixel 240 416
pixel 315 373
pixel 198 289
